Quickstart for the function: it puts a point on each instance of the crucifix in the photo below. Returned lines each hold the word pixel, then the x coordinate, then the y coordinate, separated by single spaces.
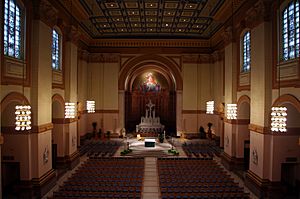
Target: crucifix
pixel 150 105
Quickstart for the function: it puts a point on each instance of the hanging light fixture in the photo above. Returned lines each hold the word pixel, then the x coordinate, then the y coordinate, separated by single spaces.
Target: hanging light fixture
pixel 70 110
pixel 231 111
pixel 278 119
pixel 90 106
pixel 23 118
pixel 210 105
pixel 23 112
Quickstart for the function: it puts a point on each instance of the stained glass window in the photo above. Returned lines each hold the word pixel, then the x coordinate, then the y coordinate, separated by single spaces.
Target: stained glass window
pixel 246 52
pixel 13 29
pixel 290 31
pixel 55 50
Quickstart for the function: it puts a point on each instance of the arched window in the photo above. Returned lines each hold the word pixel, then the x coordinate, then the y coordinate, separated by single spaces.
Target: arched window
pixel 246 52
pixel 290 31
pixel 56 50
pixel 13 29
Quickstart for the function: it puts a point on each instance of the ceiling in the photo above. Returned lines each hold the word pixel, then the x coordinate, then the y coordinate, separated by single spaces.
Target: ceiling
pixel 150 18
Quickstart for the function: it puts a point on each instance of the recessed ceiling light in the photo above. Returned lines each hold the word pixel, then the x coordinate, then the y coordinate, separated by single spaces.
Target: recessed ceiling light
pixel 151 4
pixel 169 13
pixel 191 6
pixel 112 5
pixel 133 13
pixel 167 24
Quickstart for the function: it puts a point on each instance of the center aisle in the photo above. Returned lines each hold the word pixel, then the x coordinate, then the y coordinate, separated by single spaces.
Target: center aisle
pixel 151 184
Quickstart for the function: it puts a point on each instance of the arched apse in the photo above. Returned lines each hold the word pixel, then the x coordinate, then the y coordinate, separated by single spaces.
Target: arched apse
pixel 168 74
pixel 164 65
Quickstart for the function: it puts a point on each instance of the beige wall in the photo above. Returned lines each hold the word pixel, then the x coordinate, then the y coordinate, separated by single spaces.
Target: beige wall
pixel 110 95
pixel 190 83
pixel 41 68
pixel 261 74
pixel 21 152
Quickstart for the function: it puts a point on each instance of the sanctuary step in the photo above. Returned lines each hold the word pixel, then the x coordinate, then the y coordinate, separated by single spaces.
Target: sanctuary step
pixel 149 153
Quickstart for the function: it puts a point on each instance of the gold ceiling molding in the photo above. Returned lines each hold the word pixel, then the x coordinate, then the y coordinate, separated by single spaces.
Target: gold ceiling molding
pixel 187 43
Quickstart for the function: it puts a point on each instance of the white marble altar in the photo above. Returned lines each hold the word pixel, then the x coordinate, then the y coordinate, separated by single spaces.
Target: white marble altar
pixel 150 123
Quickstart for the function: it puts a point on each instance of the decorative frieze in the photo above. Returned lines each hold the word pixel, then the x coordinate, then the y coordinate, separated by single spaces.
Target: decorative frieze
pixel 197 58
pixel 104 57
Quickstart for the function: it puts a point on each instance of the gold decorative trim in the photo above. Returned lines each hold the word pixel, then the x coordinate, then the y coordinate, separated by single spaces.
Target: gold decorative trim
pixel 193 112
pixel 35 129
pixel 237 121
pixel 106 111
pixel 259 129
pixel 42 128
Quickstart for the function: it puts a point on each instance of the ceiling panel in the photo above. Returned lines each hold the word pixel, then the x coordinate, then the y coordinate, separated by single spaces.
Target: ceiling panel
pixel 150 18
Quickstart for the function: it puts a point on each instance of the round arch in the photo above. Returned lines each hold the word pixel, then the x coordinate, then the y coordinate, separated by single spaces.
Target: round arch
pixel 243 107
pixel 160 62
pixel 8 104
pixel 287 98
pixel 58 105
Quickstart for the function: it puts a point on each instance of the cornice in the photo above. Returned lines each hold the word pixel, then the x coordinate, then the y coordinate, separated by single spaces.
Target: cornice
pixel 169 43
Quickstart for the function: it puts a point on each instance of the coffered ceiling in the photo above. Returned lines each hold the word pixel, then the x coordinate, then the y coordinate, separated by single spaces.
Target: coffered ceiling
pixel 150 18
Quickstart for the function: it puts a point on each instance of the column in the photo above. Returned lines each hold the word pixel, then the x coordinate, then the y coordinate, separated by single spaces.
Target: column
pixel 70 126
pixel 230 98
pixel 179 122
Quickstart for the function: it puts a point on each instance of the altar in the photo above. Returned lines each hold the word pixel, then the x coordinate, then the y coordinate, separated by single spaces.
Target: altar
pixel 150 123
pixel 149 142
